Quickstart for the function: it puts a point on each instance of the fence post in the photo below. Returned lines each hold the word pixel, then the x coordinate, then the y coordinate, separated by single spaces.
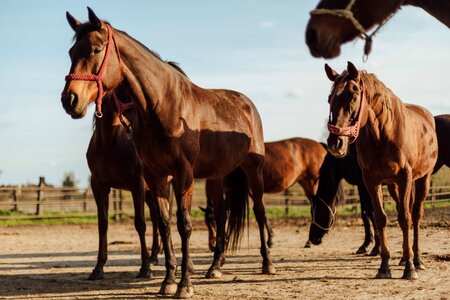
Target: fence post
pixel 115 204
pixel 286 202
pixel 40 195
pixel 85 196
pixel 16 195
pixel 120 205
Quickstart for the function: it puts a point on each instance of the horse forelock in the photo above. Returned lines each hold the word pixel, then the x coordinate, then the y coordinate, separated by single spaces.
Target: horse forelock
pixel 85 28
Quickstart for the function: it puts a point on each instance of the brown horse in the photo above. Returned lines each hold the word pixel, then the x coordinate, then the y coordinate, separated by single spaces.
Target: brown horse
pixel 295 160
pixel 182 131
pixel 114 163
pixel 396 145
pixel 335 22
pixel 443 136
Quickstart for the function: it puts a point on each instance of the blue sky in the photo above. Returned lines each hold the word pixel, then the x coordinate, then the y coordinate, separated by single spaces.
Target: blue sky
pixel 255 47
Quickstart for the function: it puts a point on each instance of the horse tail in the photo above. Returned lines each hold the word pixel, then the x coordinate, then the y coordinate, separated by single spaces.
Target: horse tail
pixel 237 198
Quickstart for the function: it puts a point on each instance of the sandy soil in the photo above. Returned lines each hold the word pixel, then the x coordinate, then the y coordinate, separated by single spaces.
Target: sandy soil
pixel 53 262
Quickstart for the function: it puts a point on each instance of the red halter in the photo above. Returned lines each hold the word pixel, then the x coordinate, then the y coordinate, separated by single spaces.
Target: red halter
pixel 99 77
pixel 351 131
pixel 122 107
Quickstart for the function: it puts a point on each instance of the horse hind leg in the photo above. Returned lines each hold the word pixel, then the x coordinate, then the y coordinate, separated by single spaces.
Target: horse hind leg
pixel 101 195
pixel 366 211
pixel 422 187
pixel 150 199
pixel 139 195
pixel 253 169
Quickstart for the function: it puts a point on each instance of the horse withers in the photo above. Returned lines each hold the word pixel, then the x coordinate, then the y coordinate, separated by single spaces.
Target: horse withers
pixel 397 146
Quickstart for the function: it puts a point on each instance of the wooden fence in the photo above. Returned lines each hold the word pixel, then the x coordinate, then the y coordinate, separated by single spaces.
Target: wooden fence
pixel 41 201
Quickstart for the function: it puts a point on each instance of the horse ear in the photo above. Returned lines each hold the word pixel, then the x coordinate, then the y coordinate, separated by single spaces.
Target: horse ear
pixel 74 23
pixel 352 70
pixel 332 74
pixel 93 19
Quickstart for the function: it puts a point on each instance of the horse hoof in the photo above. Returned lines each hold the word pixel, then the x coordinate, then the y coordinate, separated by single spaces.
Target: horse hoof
pixel 361 250
pixel 184 292
pixel 384 274
pixel 153 261
pixel 374 252
pixel 402 262
pixel 410 274
pixel 269 243
pixel 418 264
pixel 308 244
pixel 213 274
pixel 96 275
pixel 269 270
pixel 144 273
pixel 168 289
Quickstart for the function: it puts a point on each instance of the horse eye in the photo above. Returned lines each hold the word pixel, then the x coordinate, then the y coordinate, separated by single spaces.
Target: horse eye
pixel 97 50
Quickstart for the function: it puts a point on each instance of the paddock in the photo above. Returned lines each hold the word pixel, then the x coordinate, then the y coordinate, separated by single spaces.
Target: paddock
pixel 53 262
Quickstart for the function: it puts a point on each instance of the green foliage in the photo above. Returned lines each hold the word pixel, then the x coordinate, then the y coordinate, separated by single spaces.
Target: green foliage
pixel 69 179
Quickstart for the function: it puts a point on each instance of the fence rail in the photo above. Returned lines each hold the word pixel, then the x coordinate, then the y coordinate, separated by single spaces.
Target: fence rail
pixel 25 202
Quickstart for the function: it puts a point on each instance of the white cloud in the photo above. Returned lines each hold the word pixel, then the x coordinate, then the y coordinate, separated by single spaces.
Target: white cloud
pixel 266 24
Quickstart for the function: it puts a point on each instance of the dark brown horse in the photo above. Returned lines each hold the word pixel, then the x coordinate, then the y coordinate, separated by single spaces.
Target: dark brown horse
pixel 335 22
pixel 114 163
pixel 295 160
pixel 396 144
pixel 443 136
pixel 182 131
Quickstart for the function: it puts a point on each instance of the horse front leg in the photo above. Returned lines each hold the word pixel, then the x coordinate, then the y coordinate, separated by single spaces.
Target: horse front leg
pixel 375 192
pixel 101 195
pixel 405 189
pixel 138 193
pixel 183 187
pixel 151 201
pixel 366 212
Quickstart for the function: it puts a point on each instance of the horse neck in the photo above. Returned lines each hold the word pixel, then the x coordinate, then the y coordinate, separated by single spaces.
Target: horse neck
pixel 383 106
pixel 151 83
pixel 330 177
pixel 437 8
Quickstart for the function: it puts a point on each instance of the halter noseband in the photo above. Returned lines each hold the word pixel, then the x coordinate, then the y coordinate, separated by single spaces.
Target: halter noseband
pixel 98 78
pixel 347 13
pixel 350 131
pixel 313 216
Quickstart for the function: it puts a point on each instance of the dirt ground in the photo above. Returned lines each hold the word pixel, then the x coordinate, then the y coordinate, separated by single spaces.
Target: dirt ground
pixel 53 262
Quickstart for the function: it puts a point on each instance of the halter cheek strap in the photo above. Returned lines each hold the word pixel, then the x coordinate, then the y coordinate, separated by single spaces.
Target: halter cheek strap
pixel 121 108
pixel 98 78
pixel 350 131
pixel 332 214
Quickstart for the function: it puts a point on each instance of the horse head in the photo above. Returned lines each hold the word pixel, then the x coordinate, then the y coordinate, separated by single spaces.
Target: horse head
pixel 347 108
pixel 335 22
pixel 95 65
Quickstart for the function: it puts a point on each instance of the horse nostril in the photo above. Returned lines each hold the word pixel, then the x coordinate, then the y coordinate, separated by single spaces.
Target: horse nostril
pixel 311 37
pixel 339 143
pixel 73 100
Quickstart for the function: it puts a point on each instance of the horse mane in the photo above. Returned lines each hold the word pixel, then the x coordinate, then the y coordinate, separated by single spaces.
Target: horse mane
pixel 85 28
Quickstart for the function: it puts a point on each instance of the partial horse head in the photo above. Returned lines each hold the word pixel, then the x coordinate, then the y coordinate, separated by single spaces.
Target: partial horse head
pixel 335 22
pixel 95 65
pixel 323 216
pixel 347 109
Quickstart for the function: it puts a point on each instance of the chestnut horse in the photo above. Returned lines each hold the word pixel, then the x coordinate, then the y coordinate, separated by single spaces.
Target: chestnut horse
pixel 333 169
pixel 335 22
pixel 324 203
pixel 295 160
pixel 396 144
pixel 114 163
pixel 182 131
